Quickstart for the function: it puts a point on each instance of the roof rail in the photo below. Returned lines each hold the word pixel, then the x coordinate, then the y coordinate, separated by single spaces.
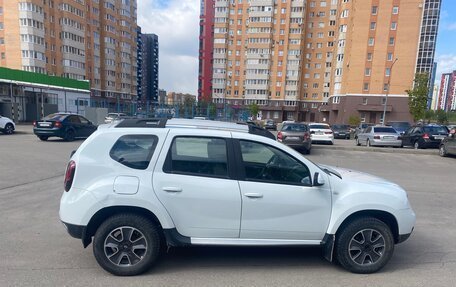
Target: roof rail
pixel 142 123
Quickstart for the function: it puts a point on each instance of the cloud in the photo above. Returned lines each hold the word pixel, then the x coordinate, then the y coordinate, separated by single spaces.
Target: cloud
pixel 445 64
pixel 176 22
pixel 450 26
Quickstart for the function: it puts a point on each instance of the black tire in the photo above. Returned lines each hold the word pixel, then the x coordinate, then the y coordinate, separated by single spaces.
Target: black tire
pixel 358 256
pixel 43 138
pixel 69 136
pixel 357 142
pixel 442 151
pixel 368 143
pixel 9 129
pixel 416 145
pixel 145 234
pixel 306 151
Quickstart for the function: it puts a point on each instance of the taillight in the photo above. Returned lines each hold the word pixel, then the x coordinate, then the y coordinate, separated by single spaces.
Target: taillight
pixel 69 175
pixel 328 133
pixel 306 136
pixel 426 136
pixel 58 124
pixel 377 137
pixel 279 136
pixel 34 123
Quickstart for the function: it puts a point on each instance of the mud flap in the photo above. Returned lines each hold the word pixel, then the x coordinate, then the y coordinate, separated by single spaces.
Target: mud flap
pixel 328 246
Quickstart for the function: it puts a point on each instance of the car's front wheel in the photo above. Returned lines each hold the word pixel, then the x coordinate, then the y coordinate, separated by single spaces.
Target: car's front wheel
pixel 127 244
pixel 365 245
pixel 9 129
pixel 442 150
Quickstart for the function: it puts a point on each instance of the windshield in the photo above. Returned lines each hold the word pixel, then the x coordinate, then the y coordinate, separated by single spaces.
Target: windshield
pixel 295 128
pixel 385 130
pixel 319 126
pixel 435 130
pixel 55 117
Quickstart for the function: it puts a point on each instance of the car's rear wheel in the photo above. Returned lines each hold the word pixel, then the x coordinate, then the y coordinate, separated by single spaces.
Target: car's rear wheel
pixel 416 145
pixel 127 244
pixel 442 151
pixel 357 142
pixel 365 245
pixel 9 129
pixel 43 138
pixel 69 136
pixel 368 143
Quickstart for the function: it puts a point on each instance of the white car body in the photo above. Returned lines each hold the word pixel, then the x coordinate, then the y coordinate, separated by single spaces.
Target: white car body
pixel 7 126
pixel 321 132
pixel 223 211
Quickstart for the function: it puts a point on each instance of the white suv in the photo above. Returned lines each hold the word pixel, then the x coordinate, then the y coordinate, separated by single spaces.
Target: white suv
pixel 7 126
pixel 138 186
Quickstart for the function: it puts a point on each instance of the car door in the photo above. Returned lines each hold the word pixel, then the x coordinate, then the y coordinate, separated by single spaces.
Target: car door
pixel 407 137
pixel 87 128
pixel 278 199
pixel 195 184
pixel 451 142
pixel 75 124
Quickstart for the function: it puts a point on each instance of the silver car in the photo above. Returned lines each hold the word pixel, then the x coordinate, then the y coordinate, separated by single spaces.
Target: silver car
pixel 379 136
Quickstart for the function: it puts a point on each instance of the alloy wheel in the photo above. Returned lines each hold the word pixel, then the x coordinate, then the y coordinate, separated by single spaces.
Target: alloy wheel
pixel 366 247
pixel 125 246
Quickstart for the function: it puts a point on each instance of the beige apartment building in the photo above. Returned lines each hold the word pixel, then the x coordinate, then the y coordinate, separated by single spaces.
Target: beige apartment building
pixel 321 60
pixel 92 40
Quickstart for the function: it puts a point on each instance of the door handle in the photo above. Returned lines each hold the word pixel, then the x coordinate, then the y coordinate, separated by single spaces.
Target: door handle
pixel 172 189
pixel 253 195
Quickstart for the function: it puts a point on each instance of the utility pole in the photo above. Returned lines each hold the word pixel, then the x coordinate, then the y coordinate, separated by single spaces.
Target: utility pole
pixel 387 92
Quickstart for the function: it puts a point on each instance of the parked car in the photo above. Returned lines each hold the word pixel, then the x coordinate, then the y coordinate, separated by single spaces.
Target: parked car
pixel 114 116
pixel 7 126
pixel 425 136
pixel 361 127
pixel 379 136
pixel 448 144
pixel 400 127
pixel 135 188
pixel 270 125
pixel 341 131
pixel 296 135
pixel 63 125
pixel 321 132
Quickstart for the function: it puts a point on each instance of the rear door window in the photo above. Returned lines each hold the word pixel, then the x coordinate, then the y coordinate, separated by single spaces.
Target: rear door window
pixel 203 156
pixel 134 151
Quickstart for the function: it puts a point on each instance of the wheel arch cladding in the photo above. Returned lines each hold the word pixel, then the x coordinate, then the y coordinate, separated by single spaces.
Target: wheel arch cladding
pixel 101 215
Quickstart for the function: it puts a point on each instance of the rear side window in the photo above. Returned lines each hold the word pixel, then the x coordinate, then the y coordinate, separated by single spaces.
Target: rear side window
pixel 202 156
pixel 134 151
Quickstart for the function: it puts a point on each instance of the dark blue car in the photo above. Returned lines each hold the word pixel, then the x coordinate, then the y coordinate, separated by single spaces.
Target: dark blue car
pixel 63 125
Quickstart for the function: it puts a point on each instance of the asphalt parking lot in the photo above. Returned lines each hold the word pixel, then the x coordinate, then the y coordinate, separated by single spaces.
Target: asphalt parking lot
pixel 36 250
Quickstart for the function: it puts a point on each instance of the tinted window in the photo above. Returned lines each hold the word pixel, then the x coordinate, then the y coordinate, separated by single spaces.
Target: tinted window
pixel 134 151
pixel 73 119
pixel 55 117
pixel 198 156
pixel 340 127
pixel 294 128
pixel 436 130
pixel 83 120
pixel 368 130
pixel 319 126
pixel 385 130
pixel 268 164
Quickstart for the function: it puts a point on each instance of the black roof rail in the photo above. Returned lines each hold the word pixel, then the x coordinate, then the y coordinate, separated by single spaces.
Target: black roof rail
pixel 142 123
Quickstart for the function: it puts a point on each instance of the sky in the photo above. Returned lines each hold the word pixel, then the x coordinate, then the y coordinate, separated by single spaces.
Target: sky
pixel 176 22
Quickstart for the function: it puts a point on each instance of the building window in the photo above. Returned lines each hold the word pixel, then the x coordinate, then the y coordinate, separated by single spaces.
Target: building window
pixel 369 57
pixel 367 72
pixel 2 41
pixel 385 87
pixel 362 117
pixel 390 56
pixel 336 100
pixel 371 41
pixel 395 10
pixel 366 86
pixel 344 14
pixel 391 41
pixel 388 72
pixel 364 101
pixel 373 25
pixel 393 25
pixel 1 25
pixel 374 10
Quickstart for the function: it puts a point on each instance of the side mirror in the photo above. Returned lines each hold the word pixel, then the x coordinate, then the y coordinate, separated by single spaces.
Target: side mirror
pixel 318 180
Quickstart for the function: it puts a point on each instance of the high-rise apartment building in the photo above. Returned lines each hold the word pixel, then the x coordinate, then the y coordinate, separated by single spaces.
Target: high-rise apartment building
pixel 447 92
pixel 319 60
pixel 206 45
pixel 91 40
pixel 149 69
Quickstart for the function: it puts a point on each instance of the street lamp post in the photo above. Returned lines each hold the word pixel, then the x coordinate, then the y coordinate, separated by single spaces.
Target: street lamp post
pixel 387 91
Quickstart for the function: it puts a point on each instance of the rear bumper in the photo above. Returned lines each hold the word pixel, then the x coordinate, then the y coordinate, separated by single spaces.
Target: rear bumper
pixel 386 143
pixel 76 231
pixel 54 132
pixel 306 145
pixel 431 144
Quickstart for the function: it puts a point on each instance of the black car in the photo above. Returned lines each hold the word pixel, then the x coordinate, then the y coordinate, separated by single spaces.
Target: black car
pixel 270 125
pixel 448 144
pixel 426 136
pixel 341 131
pixel 400 127
pixel 63 125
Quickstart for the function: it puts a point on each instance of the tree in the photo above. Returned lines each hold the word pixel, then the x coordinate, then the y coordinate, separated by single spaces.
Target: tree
pixel 354 120
pixel 441 117
pixel 418 96
pixel 253 108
